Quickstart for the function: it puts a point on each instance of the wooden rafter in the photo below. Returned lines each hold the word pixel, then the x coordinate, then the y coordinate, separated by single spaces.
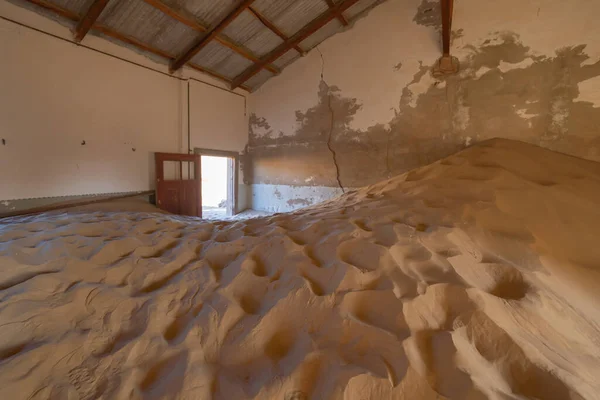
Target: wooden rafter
pixel 71 16
pixel 192 23
pixel 210 35
pixel 339 16
pixel 272 27
pixel 284 47
pixel 447 8
pixel 90 17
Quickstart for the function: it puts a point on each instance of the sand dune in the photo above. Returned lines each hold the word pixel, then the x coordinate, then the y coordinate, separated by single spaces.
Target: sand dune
pixel 475 277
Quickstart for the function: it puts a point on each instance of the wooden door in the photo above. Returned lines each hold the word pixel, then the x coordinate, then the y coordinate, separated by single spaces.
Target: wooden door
pixel 178 183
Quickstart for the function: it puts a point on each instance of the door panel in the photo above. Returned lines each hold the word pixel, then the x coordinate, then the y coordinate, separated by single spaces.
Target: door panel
pixel 188 201
pixel 178 195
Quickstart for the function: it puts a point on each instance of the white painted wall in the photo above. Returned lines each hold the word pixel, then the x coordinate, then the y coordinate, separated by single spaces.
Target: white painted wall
pixel 218 119
pixel 55 94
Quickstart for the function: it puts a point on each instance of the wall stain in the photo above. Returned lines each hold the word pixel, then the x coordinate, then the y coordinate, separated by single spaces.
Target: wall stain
pixel 429 13
pixel 518 96
pixel 299 202
pixel 254 124
pixel 457 34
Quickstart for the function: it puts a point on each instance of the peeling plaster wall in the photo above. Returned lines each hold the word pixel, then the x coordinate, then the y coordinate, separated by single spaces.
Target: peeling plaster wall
pixel 364 106
pixel 55 96
pixel 285 198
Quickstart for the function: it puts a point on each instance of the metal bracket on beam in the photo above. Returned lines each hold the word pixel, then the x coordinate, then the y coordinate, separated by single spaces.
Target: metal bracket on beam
pixel 445 65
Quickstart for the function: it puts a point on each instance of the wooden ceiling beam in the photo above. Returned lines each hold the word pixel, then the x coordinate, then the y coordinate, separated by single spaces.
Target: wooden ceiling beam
pixel 192 23
pixel 272 27
pixel 301 35
pixel 90 17
pixel 71 16
pixel 339 16
pixel 210 35
pixel 447 9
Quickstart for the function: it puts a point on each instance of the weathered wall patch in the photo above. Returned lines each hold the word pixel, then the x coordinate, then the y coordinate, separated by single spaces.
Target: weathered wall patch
pixel 506 88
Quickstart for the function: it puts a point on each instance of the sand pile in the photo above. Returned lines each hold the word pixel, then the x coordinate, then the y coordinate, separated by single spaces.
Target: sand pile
pixel 475 277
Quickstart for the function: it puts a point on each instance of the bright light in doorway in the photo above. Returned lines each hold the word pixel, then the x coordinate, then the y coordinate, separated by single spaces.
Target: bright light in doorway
pixel 214 181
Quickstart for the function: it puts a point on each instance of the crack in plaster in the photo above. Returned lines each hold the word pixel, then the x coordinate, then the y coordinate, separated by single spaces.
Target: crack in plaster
pixel 387 153
pixel 332 119
pixel 534 103
pixel 337 167
pixel 322 64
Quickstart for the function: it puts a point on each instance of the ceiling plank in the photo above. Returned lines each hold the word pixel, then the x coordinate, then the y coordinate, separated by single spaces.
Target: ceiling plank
pixel 63 12
pixel 89 19
pixel 447 8
pixel 70 15
pixel 272 27
pixel 339 16
pixel 302 34
pixel 210 35
pixel 192 23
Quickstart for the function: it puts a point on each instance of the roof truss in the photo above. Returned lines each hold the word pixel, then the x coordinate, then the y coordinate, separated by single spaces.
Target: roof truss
pixel 207 34
pixel 221 39
pixel 210 35
pixel 272 27
pixel 339 16
pixel 71 16
pixel 302 34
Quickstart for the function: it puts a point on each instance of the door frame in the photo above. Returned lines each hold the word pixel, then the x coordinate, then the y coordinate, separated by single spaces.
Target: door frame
pixel 160 158
pixel 232 185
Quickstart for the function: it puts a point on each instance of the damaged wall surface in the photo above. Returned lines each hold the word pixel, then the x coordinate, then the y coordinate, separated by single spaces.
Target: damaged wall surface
pixel 364 106
pixel 75 120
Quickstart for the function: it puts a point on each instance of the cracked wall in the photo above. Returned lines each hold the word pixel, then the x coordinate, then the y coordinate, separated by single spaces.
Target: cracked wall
pixel 367 97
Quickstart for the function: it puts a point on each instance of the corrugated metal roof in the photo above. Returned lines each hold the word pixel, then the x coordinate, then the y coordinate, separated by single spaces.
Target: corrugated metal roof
pixel 155 29
pixel 331 28
pixel 248 31
pixel 263 42
pixel 297 16
pixel 147 24
pixel 233 65
pixel 243 27
pixel 360 7
pixel 257 80
pixel 78 6
pixel 209 12
pixel 289 57
pixel 272 9
pixel 211 55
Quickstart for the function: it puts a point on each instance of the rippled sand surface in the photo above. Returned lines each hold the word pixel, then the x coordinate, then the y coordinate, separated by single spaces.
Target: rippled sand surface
pixel 475 277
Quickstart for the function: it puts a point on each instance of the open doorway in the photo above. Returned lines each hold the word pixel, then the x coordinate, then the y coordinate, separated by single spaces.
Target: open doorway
pixel 217 183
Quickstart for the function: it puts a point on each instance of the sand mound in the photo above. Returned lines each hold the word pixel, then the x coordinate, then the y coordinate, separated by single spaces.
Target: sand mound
pixel 475 277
